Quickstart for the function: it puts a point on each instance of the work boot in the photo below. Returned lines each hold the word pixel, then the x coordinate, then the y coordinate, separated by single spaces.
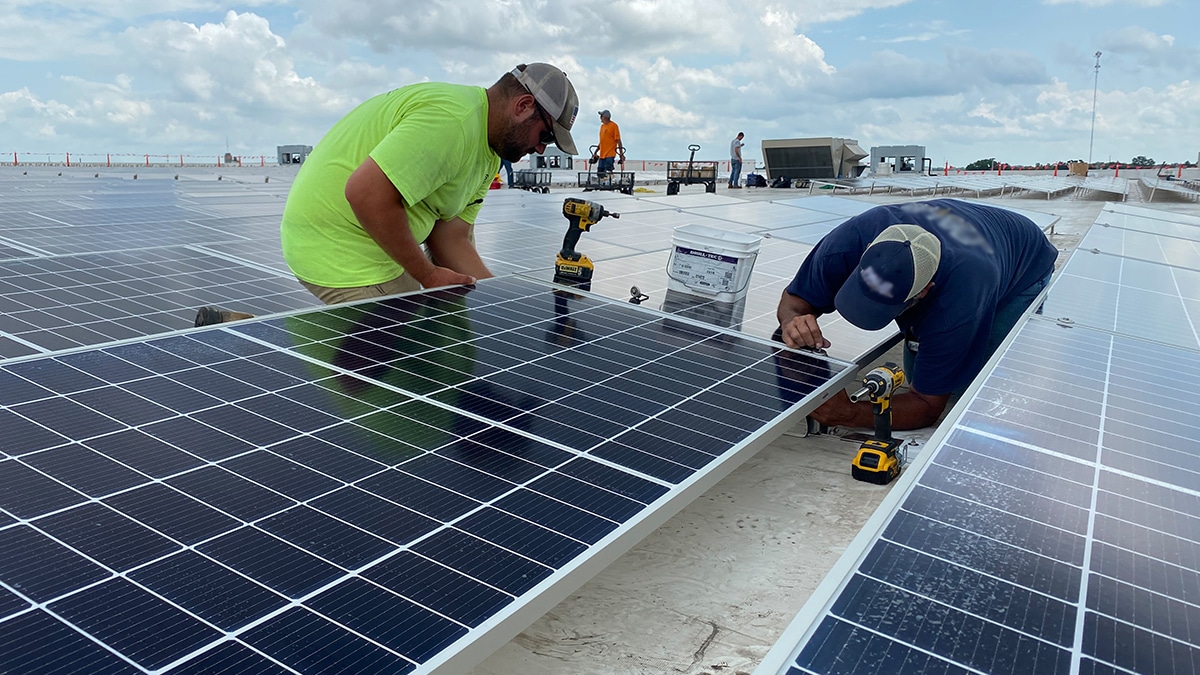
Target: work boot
pixel 211 316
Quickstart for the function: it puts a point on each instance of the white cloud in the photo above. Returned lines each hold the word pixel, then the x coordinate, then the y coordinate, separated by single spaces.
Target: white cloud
pixel 178 74
pixel 1105 3
pixel 1136 40
pixel 829 11
pixel 39 37
pixel 238 58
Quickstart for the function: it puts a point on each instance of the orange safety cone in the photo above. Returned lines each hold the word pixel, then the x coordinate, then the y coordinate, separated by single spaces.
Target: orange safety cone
pixel 495 183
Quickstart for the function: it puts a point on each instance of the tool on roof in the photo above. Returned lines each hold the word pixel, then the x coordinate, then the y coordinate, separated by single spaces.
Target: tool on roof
pixel 570 266
pixel 878 459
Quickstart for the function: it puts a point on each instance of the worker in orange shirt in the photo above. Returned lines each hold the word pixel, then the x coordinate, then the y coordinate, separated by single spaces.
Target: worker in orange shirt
pixel 610 145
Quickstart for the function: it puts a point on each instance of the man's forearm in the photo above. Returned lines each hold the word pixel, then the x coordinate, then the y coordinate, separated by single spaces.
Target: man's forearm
pixel 910 410
pixel 452 244
pixel 379 208
pixel 792 306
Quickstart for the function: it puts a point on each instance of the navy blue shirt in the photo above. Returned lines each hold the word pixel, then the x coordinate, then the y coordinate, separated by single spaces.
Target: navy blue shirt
pixel 989 255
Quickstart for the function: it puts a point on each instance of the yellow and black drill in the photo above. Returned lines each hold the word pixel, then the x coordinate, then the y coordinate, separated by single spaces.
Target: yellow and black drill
pixel 877 460
pixel 570 266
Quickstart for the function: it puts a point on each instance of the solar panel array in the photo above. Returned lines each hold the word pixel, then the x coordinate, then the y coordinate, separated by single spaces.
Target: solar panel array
pixel 1160 186
pixel 368 488
pixel 173 245
pixel 397 485
pixel 1052 527
pixel 85 261
pixel 933 185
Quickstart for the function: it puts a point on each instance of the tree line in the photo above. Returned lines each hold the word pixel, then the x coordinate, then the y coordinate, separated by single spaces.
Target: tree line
pixel 991 164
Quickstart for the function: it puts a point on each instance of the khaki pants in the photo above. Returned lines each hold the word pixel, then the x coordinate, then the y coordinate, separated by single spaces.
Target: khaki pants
pixel 401 284
pixel 333 296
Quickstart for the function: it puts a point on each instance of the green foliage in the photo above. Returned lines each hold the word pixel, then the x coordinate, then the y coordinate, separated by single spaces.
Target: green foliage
pixel 1141 161
pixel 981 164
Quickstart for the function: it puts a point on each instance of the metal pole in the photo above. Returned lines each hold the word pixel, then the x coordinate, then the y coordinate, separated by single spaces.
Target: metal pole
pixel 1095 88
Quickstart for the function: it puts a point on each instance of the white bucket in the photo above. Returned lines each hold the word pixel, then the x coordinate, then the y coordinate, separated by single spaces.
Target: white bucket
pixel 711 263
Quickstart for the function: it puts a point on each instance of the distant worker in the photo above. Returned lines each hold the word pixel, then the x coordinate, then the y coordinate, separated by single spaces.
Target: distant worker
pixel 610 145
pixel 412 167
pixel 735 161
pixel 955 277
pixel 506 164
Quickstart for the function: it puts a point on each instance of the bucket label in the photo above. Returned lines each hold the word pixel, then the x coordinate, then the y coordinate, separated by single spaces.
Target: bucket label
pixel 704 269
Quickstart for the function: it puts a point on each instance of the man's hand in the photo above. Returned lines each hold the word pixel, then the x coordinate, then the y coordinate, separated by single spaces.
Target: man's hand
pixel 803 331
pixel 798 323
pixel 444 276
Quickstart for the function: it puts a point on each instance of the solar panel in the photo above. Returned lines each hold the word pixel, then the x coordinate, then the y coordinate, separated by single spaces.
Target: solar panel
pixel 89 261
pixel 766 215
pixel 10 251
pixel 63 302
pixel 395 485
pixel 692 201
pixel 1050 528
pixel 838 206
pixel 66 239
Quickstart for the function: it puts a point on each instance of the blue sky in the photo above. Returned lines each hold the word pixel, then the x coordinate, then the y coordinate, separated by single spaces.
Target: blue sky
pixel 967 79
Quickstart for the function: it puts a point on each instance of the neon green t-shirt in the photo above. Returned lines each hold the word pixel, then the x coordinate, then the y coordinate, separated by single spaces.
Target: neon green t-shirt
pixel 431 141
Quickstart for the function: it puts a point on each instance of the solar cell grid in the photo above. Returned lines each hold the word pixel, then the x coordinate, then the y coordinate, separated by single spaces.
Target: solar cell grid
pixel 1069 479
pixel 152 211
pixel 60 302
pixel 202 482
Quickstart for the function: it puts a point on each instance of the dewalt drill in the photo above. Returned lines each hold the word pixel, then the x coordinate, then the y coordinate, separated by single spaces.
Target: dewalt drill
pixel 877 460
pixel 570 266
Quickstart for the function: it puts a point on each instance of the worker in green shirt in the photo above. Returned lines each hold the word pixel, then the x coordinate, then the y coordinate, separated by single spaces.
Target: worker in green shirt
pixel 407 168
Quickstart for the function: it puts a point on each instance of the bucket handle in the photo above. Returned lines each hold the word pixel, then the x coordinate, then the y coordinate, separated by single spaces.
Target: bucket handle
pixel 752 258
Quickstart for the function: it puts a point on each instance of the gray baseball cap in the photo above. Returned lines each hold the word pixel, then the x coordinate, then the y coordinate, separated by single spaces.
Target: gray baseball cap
pixel 555 93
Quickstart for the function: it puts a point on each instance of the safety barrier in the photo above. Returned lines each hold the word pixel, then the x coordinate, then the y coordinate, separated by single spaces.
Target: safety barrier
pixel 110 159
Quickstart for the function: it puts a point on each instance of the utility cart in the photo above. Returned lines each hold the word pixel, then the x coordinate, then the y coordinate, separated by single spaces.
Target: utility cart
pixel 621 181
pixel 691 172
pixel 532 181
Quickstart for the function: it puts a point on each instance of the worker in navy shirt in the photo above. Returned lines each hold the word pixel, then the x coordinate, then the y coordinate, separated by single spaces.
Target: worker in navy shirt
pixel 954 276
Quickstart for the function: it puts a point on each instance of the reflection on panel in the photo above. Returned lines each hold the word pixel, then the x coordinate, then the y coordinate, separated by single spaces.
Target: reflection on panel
pixel 374 486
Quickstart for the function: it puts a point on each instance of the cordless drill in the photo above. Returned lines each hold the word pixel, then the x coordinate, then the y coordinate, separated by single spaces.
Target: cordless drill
pixel 571 266
pixel 877 460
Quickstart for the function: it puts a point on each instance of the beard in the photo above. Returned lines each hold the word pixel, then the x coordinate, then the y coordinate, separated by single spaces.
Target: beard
pixel 513 144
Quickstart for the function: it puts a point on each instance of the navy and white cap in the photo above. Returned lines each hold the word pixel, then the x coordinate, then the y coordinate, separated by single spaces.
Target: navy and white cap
pixel 555 93
pixel 894 269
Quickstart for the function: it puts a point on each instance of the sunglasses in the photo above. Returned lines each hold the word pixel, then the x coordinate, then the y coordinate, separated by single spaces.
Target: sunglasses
pixel 547 137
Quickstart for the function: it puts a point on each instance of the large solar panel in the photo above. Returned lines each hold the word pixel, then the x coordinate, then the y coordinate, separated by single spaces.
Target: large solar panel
pixel 61 302
pixel 1051 527
pixel 87 261
pixel 391 486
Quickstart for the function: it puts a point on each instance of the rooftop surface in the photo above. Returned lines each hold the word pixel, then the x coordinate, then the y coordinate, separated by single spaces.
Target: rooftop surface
pixel 712 589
